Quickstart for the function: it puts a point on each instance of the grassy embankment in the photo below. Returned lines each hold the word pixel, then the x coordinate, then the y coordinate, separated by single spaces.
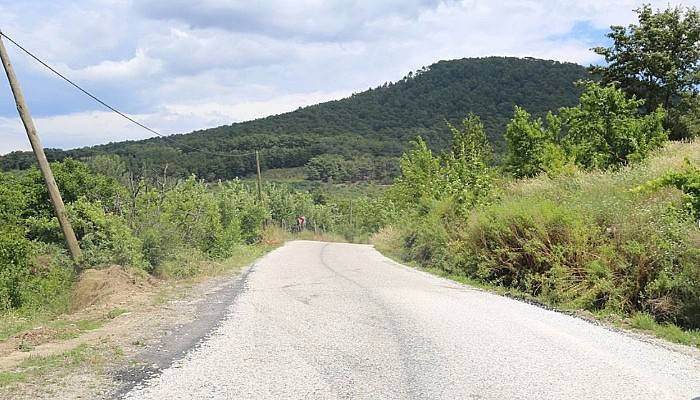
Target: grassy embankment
pixel 63 317
pixel 587 242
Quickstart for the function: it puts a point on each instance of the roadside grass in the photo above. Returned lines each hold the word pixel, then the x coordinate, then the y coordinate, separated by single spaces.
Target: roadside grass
pixel 14 322
pixel 640 322
pixel 66 329
pixel 190 265
pixel 184 272
pixel 589 243
pixel 37 329
pixel 646 323
pixel 36 369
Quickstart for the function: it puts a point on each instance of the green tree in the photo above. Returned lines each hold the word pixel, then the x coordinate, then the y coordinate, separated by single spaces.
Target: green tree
pixel 657 60
pixel 327 168
pixel 462 173
pixel 421 176
pixel 605 128
pixel 468 178
pixel 530 143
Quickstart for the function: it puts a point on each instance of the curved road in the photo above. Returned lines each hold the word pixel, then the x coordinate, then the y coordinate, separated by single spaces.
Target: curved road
pixel 330 320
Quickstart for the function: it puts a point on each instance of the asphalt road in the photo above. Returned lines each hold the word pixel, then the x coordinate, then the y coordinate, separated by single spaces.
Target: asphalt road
pixel 327 320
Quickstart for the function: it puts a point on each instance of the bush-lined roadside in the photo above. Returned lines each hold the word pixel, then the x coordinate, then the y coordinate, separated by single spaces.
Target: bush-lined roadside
pixel 587 241
pixel 114 312
pixel 160 226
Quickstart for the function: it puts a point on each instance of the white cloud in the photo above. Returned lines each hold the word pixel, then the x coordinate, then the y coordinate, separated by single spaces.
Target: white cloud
pixel 303 19
pixel 186 65
pixel 70 130
pixel 140 66
pixel 96 127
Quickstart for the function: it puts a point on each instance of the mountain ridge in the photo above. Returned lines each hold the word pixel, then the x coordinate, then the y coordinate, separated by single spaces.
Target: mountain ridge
pixel 378 122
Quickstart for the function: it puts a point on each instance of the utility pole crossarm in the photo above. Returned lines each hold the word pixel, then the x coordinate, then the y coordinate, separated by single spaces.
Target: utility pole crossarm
pixel 44 166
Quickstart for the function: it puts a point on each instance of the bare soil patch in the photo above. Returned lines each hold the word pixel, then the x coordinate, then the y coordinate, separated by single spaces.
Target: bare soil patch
pixel 110 287
pixel 118 316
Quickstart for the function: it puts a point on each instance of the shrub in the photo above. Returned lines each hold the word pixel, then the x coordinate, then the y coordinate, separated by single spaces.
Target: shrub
pixel 426 239
pixel 240 211
pixel 193 212
pixel 181 264
pixel 104 238
pixel 48 286
pixel 14 262
pixel 606 128
pixel 531 145
pixel 531 246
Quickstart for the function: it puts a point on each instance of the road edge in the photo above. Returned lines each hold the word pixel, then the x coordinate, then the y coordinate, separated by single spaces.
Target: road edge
pixel 183 338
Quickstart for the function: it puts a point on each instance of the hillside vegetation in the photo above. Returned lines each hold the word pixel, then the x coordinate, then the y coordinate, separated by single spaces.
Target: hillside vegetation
pixel 165 227
pixel 591 240
pixel 373 124
pixel 587 205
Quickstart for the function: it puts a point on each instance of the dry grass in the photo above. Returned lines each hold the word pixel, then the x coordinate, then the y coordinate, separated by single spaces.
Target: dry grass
pixel 669 158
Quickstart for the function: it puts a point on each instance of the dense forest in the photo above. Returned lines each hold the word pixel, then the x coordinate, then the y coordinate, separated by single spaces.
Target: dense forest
pixel 374 124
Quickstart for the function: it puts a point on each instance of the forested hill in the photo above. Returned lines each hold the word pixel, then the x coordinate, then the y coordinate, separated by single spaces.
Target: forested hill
pixel 378 122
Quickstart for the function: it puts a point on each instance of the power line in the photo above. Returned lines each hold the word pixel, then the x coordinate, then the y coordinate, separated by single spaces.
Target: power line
pixel 98 100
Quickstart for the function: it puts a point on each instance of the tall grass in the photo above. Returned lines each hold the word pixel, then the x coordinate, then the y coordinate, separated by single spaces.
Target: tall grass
pixel 583 241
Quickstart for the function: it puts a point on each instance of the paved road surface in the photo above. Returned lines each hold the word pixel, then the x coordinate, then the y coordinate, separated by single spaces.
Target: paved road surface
pixel 327 320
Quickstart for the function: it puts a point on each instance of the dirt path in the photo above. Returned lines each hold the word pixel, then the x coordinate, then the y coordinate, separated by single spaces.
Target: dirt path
pixel 155 322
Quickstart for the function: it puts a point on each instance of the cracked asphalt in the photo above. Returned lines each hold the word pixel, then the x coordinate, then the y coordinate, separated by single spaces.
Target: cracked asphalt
pixel 320 320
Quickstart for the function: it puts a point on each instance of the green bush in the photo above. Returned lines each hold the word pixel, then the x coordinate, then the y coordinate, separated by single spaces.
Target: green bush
pixel 426 239
pixel 581 241
pixel 158 237
pixel 242 215
pixel 183 263
pixel 193 212
pixel 48 286
pixel 104 238
pixel 531 246
pixel 14 266
pixel 33 275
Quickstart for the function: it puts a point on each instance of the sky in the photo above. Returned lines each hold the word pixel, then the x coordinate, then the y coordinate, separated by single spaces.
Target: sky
pixel 182 65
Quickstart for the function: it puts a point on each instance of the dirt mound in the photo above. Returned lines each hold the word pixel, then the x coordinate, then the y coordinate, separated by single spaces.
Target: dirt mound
pixel 109 287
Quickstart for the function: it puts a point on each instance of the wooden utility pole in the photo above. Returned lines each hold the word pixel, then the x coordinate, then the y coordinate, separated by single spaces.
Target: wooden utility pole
pixel 54 194
pixel 257 163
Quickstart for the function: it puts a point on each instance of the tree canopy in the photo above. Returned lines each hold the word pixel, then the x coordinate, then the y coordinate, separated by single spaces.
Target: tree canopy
pixel 658 60
pixel 606 129
pixel 376 123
